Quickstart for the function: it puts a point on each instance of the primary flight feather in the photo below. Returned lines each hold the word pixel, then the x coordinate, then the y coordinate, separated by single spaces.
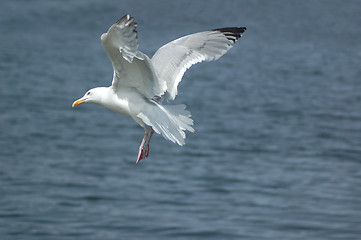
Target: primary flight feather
pixel 140 84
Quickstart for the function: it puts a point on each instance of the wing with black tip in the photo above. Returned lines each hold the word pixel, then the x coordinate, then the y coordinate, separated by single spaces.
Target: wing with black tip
pixel 173 59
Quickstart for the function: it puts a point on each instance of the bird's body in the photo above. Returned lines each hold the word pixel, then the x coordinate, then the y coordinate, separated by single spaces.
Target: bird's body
pixel 140 84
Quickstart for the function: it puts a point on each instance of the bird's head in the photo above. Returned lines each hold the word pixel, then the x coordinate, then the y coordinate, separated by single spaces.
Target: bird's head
pixel 94 95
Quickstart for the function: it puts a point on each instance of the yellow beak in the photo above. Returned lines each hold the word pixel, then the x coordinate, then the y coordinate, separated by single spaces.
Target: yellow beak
pixel 77 102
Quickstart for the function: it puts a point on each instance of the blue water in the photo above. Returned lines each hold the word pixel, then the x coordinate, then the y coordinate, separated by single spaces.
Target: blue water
pixel 277 148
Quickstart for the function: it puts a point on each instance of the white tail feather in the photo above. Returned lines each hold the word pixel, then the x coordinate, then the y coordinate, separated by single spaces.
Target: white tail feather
pixel 169 120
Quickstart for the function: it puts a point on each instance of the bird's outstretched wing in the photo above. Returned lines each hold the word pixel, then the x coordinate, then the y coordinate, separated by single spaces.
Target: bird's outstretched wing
pixel 132 68
pixel 173 59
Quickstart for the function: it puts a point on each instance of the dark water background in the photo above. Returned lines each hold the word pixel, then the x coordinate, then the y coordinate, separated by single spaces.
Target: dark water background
pixel 277 148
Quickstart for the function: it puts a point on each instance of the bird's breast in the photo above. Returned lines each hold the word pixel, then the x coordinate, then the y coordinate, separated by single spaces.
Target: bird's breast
pixel 115 102
pixel 118 105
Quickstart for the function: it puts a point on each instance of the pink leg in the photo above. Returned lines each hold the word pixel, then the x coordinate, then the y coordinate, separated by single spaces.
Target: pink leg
pixel 141 153
pixel 146 150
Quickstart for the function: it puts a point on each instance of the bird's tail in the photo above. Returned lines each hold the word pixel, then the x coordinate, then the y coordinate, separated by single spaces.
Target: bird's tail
pixel 169 120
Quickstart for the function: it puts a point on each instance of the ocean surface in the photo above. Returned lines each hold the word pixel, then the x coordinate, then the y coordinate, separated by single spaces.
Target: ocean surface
pixel 277 148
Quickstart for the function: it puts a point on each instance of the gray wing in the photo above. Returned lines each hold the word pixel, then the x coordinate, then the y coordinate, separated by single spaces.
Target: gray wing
pixel 131 67
pixel 172 60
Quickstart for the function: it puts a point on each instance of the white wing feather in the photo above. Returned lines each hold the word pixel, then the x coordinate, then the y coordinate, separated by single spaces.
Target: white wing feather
pixel 132 68
pixel 173 59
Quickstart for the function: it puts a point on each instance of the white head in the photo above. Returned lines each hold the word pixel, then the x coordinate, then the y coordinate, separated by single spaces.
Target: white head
pixel 94 95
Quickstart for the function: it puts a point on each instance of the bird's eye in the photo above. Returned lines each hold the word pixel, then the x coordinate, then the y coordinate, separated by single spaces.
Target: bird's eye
pixel 88 93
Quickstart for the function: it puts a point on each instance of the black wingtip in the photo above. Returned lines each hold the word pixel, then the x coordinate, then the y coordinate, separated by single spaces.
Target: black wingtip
pixel 232 33
pixel 123 19
pixel 126 19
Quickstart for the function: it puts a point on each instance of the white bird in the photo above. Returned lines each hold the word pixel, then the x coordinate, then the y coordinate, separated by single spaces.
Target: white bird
pixel 140 84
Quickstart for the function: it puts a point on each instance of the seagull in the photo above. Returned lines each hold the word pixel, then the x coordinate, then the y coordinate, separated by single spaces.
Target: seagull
pixel 140 84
